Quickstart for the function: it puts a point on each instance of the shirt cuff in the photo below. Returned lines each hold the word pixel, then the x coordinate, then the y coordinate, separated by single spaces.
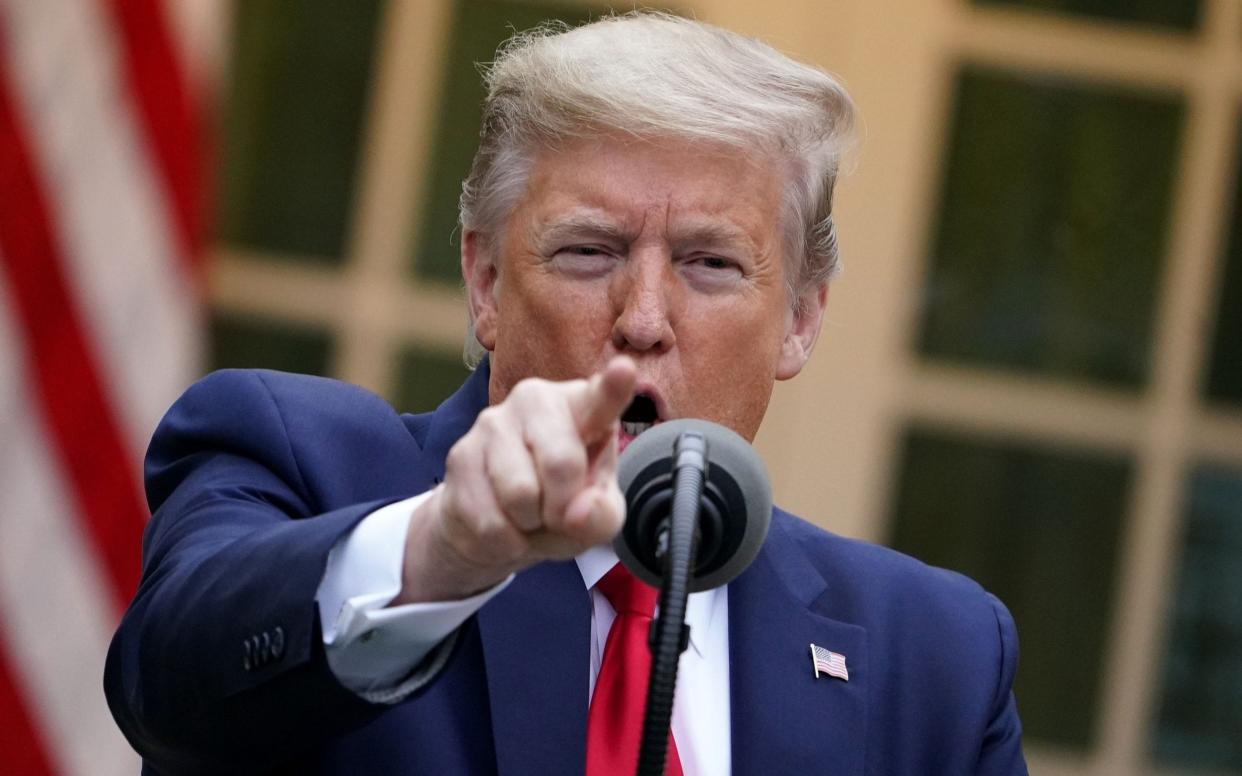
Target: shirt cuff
pixel 374 650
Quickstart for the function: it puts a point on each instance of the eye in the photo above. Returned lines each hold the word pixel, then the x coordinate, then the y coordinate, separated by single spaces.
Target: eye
pixel 711 272
pixel 712 266
pixel 584 260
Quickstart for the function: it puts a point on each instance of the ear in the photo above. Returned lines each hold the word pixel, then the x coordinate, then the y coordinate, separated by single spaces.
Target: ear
pixel 479 271
pixel 803 331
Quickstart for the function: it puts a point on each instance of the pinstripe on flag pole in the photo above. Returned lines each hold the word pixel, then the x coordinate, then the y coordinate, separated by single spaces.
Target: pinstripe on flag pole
pixel 100 186
pixel 829 662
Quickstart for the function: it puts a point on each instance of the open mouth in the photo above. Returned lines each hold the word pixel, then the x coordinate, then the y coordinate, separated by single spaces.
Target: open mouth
pixel 640 415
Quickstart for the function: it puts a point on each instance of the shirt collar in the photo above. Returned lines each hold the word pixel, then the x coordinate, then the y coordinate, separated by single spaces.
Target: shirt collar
pixel 595 562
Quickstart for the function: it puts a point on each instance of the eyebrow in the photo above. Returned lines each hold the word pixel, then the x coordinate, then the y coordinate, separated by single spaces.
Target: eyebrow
pixel 711 232
pixel 579 224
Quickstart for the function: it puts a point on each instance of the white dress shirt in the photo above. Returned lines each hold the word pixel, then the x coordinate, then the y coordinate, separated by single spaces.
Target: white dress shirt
pixel 372 647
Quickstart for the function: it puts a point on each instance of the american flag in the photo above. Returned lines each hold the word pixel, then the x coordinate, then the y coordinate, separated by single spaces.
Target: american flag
pixel 829 662
pixel 100 231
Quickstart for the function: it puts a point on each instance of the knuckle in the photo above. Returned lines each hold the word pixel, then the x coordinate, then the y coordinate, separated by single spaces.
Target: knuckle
pixel 518 491
pixel 491 419
pixel 458 456
pixel 564 464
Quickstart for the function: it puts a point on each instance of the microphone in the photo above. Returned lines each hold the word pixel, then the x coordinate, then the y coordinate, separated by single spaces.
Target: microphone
pixel 734 510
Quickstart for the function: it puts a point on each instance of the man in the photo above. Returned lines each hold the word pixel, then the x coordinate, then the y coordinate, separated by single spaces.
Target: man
pixel 329 587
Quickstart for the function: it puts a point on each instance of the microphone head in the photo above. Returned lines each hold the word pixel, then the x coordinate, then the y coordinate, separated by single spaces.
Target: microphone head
pixel 734 514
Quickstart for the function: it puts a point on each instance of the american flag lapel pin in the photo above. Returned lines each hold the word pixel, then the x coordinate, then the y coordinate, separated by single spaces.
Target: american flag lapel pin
pixel 828 662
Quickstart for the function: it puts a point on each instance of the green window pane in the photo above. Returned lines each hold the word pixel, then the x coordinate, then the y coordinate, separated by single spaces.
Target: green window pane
pixel 1178 14
pixel 1224 379
pixel 1052 227
pixel 293 123
pixel 479 27
pixel 1200 719
pixel 426 378
pixel 251 342
pixel 1040 528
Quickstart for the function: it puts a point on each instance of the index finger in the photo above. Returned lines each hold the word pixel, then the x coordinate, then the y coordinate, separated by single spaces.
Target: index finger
pixel 605 397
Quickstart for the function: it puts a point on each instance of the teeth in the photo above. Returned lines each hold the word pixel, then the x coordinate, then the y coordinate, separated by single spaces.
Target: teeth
pixel 634 429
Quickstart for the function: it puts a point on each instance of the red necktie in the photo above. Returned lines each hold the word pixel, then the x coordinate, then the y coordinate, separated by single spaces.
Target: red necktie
pixel 615 723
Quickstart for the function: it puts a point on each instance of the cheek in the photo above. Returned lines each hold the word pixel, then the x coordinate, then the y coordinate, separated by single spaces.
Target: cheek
pixel 737 395
pixel 557 330
pixel 731 356
pixel 744 337
pixel 569 313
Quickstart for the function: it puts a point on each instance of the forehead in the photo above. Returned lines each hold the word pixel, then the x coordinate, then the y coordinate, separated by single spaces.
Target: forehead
pixel 680 187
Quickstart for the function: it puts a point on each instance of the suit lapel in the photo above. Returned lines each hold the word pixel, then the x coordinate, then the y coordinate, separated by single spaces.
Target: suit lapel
pixel 784 720
pixel 536 645
pixel 450 422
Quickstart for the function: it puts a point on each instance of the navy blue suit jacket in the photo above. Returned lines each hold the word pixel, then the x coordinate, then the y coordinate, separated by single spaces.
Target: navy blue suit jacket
pixel 253 476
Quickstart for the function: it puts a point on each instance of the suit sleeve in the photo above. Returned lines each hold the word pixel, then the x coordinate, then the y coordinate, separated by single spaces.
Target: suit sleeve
pixel 218 664
pixel 384 653
pixel 1001 754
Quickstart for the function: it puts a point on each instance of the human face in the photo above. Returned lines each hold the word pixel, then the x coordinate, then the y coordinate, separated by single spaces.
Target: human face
pixel 669 252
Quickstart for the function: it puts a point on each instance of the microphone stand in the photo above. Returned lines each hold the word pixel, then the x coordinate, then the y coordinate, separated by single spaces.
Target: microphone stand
pixel 669 635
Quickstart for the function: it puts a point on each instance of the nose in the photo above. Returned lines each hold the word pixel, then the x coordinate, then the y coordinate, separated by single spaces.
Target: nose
pixel 643 299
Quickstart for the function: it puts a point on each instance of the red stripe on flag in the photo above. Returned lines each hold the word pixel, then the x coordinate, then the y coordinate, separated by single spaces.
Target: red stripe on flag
pixel 24 750
pixel 65 380
pixel 169 124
